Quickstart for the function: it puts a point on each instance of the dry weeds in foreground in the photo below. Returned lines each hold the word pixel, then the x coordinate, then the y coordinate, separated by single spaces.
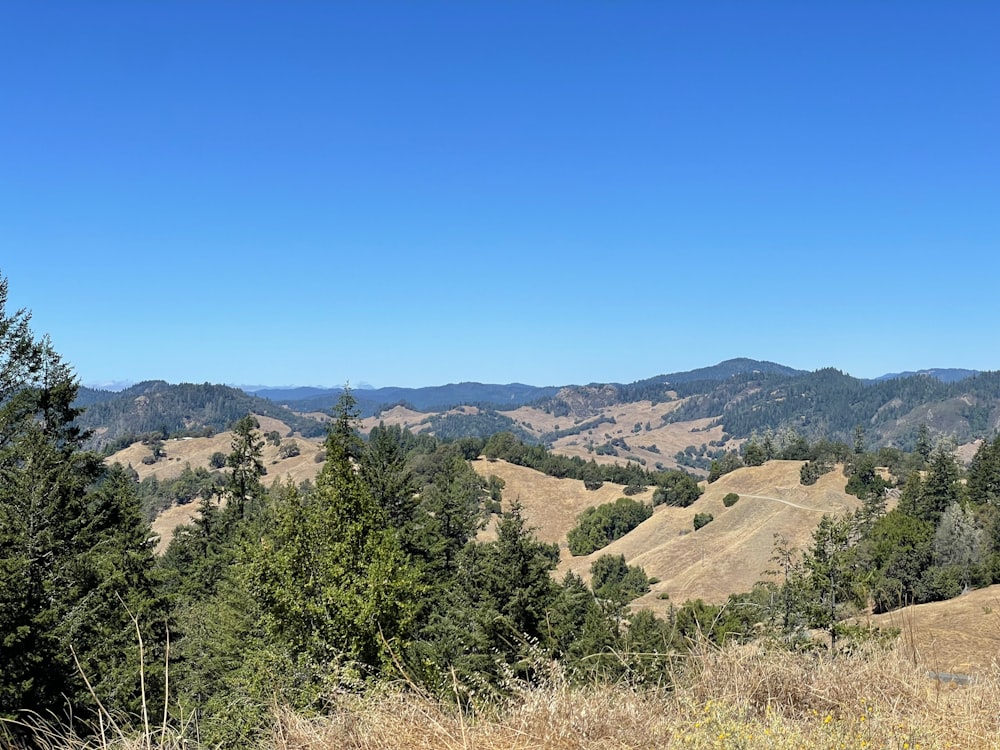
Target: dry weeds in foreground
pixel 738 697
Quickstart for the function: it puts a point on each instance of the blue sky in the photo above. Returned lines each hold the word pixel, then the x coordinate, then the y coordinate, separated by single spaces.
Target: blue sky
pixel 418 193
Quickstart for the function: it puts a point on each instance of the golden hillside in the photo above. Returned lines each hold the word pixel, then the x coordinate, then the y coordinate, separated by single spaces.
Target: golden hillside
pixel 960 635
pixel 727 556
pixel 196 452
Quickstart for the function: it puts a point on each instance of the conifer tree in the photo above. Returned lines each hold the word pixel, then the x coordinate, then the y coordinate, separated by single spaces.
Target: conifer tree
pixel 75 558
pixel 330 575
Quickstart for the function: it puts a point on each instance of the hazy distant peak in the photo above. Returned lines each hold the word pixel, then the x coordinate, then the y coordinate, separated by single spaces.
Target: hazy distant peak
pixel 944 374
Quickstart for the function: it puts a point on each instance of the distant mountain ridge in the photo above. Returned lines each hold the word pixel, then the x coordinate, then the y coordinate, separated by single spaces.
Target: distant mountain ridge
pixel 944 374
pixel 741 396
pixel 432 398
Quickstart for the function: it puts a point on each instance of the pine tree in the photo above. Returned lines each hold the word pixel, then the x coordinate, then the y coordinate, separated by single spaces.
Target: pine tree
pixel 75 558
pixel 329 573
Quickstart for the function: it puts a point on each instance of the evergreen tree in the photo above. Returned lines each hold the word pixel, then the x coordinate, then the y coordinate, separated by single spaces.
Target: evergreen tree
pixel 383 467
pixel 75 558
pixel 984 474
pixel 943 485
pixel 245 491
pixel 830 581
pixel 330 574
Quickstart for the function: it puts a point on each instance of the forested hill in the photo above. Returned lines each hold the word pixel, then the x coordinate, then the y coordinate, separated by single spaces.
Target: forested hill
pixel 830 404
pixel 187 408
pixel 743 396
pixel 430 399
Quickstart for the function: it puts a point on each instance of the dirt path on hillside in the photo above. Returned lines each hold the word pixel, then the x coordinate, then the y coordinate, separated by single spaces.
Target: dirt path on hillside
pixel 786 502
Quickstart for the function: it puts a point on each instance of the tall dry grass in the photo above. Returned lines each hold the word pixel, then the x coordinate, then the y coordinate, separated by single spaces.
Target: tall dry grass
pixel 746 696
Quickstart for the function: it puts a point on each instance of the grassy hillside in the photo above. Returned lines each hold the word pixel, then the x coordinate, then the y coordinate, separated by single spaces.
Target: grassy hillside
pixel 196 452
pixel 727 556
pixel 960 635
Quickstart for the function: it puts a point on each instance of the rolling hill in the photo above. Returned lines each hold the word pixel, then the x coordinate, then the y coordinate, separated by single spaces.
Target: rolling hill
pixel 727 556
pixel 668 421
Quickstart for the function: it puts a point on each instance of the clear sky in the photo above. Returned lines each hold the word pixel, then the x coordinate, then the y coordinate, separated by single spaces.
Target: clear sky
pixel 417 193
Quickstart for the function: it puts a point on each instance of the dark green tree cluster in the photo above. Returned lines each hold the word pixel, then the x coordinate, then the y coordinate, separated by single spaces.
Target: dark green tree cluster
pixel 676 488
pixel 600 525
pixel 77 578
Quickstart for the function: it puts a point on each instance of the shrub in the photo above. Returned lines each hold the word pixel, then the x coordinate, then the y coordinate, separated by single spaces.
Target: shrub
pixel 288 450
pixel 611 578
pixel 676 488
pixel 702 519
pixel 730 499
pixel 218 460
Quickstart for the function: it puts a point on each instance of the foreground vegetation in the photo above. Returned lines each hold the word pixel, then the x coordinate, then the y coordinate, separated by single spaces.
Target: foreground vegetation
pixel 740 696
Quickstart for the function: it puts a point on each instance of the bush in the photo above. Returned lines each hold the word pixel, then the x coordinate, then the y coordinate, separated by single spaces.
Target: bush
pixel 611 578
pixel 702 519
pixel 218 460
pixel 676 488
pixel 730 499
pixel 289 450
pixel 591 484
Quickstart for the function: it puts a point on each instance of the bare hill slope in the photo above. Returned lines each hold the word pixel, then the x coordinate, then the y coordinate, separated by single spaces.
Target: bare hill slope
pixel 727 556
pixel 551 505
pixel 960 635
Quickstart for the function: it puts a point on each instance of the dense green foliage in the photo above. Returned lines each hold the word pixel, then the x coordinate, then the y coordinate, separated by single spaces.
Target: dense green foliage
pixel 829 404
pixel 598 526
pixel 676 488
pixel 76 567
pixel 702 519
pixel 170 410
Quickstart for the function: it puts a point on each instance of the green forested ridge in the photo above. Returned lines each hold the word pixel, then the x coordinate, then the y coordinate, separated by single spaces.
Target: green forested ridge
pixel 744 396
pixel 187 408
pixel 829 404
pixel 371 401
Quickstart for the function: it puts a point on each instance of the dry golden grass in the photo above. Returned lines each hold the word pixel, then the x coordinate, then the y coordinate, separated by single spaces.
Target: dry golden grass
pixel 737 697
pixel 414 421
pixel 727 556
pixel 551 505
pixel 960 635
pixel 741 696
pixel 668 438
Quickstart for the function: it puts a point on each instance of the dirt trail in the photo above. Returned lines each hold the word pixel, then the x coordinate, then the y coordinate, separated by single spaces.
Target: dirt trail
pixel 788 502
